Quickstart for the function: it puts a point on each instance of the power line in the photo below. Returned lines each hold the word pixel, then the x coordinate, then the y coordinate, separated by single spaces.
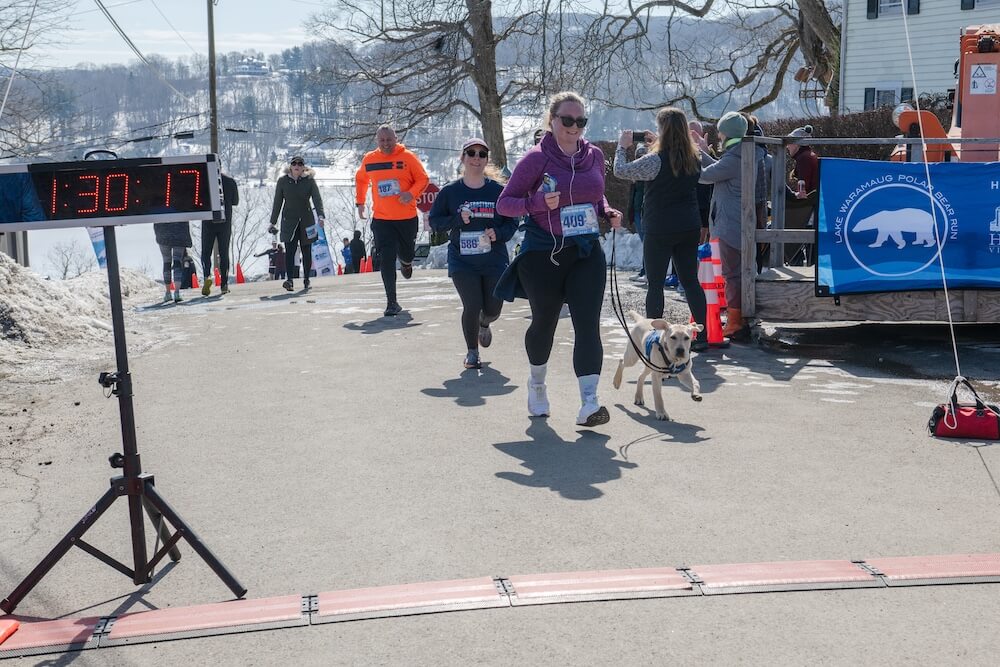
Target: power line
pixel 136 50
pixel 157 7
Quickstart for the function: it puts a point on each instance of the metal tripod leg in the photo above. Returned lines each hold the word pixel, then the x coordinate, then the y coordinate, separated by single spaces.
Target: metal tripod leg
pixel 64 545
pixel 192 538
pixel 162 529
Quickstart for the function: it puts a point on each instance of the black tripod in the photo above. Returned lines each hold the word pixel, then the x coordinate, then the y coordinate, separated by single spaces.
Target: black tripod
pixel 138 487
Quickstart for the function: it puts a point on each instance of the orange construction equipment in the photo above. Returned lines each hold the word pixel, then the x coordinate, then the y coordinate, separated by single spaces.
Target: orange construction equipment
pixel 7 628
pixel 239 274
pixel 194 280
pixel 218 277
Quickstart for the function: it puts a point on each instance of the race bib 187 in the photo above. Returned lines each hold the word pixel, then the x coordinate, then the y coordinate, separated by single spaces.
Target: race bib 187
pixel 579 219
pixel 388 187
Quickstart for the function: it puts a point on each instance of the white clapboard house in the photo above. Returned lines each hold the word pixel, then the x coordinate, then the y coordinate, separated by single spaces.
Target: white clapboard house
pixel 875 62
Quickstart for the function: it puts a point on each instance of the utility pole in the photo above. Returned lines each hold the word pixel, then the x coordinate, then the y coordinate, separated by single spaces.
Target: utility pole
pixel 214 110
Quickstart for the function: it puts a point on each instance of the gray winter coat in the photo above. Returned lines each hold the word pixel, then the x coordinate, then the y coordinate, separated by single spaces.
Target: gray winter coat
pixel 173 234
pixel 724 174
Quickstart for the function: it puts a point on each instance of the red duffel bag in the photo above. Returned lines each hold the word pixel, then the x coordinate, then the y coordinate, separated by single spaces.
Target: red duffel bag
pixel 967 421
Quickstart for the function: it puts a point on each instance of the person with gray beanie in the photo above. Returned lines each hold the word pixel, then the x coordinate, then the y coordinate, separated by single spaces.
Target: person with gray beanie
pixel 724 174
pixel 806 164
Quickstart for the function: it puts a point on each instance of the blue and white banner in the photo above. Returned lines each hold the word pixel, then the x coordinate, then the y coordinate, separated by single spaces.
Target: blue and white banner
pixel 97 240
pixel 322 261
pixel 877 230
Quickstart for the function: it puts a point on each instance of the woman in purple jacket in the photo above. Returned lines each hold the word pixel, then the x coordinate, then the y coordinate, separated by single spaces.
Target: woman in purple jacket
pixel 559 184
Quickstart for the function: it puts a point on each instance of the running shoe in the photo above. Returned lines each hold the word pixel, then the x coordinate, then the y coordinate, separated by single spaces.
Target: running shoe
pixel 224 288
pixel 699 345
pixel 485 335
pixel 592 414
pixel 288 285
pixel 206 288
pixel 472 360
pixel 393 309
pixel 671 281
pixel 639 277
pixel 305 283
pixel 406 269
pixel 177 296
pixel 538 400
pixel 167 297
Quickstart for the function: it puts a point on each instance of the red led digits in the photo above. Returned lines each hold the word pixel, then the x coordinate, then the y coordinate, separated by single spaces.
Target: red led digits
pixel 107 193
pixel 52 209
pixel 96 194
pixel 197 184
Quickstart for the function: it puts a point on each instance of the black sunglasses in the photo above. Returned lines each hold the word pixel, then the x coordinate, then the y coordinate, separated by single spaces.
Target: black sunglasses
pixel 568 121
pixel 298 164
pixel 471 152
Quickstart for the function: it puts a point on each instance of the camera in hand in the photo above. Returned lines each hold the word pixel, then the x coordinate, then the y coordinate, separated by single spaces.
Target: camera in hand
pixel 638 136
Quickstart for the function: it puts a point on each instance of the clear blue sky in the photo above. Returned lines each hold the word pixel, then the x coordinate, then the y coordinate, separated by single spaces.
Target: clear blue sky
pixel 265 25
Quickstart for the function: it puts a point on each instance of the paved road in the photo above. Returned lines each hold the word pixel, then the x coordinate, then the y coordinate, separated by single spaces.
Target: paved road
pixel 318 446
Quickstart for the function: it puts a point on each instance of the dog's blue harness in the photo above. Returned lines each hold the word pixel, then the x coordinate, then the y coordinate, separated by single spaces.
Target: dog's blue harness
pixel 654 339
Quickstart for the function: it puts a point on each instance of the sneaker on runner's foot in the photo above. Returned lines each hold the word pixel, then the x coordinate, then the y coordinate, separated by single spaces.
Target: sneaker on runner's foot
pixel 538 399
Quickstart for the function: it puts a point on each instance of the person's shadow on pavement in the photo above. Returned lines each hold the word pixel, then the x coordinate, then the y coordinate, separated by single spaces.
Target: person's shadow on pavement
pixel 473 386
pixel 402 321
pixel 572 469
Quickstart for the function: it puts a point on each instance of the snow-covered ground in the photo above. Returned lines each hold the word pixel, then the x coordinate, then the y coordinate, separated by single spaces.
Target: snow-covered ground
pixel 50 327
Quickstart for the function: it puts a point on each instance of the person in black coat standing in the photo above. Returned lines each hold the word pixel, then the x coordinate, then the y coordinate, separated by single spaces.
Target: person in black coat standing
pixel 174 238
pixel 357 252
pixel 292 195
pixel 220 231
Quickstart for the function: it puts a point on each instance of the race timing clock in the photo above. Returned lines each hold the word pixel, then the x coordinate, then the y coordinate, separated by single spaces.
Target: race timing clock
pixel 109 192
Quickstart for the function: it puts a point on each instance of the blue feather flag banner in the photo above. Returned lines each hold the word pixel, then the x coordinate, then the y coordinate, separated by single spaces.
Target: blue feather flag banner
pixel 880 226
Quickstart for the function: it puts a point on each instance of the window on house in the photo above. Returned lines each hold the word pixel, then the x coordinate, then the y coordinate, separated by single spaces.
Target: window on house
pixel 890 7
pixel 885 94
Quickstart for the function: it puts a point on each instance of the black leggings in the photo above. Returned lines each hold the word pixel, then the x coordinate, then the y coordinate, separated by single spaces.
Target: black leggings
pixel 395 239
pixel 479 306
pixel 307 257
pixel 578 282
pixel 210 232
pixel 657 251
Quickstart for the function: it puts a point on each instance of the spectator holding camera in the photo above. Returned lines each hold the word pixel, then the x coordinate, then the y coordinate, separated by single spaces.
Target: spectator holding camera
pixel 672 223
pixel 292 195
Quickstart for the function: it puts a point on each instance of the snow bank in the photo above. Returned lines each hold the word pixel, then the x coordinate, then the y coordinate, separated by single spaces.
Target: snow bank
pixel 37 313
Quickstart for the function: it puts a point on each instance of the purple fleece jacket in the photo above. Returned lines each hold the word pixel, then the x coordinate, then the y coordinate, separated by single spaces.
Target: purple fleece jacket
pixel 522 195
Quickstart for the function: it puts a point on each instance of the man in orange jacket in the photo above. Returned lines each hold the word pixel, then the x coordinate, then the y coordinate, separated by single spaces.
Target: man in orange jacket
pixel 397 180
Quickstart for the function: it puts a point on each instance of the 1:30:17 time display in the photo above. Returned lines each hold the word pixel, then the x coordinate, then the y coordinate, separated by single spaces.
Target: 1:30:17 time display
pixel 128 191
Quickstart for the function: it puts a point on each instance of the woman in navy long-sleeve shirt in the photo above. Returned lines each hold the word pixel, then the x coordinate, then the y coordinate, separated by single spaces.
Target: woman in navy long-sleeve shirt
pixel 477 248
pixel 561 260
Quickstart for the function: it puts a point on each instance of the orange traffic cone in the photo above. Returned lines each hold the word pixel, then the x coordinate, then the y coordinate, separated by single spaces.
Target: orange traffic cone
pixel 239 274
pixel 340 270
pixel 194 281
pixel 713 316
pixel 720 282
pixel 172 288
pixel 369 262
pixel 218 277
pixel 7 628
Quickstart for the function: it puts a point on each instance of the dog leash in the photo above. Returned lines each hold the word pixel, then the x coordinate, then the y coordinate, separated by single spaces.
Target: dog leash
pixel 619 311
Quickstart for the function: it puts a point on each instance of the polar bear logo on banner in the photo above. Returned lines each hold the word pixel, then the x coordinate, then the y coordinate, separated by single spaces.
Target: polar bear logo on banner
pixel 893 224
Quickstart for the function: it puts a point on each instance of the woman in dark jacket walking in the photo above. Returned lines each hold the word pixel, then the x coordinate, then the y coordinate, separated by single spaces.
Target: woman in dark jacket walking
pixel 670 217
pixel 292 195
pixel 174 238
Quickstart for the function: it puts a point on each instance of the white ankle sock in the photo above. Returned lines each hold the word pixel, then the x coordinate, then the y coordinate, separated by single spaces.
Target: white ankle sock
pixel 538 373
pixel 588 387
